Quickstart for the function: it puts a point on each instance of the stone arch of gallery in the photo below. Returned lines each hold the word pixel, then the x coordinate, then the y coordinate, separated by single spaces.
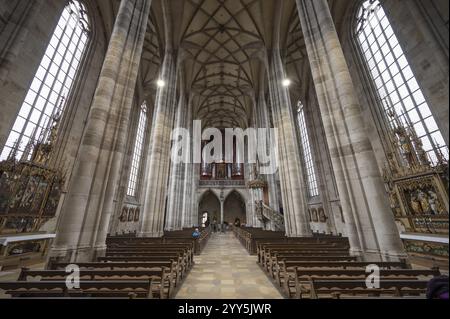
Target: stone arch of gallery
pixel 209 204
pixel 234 208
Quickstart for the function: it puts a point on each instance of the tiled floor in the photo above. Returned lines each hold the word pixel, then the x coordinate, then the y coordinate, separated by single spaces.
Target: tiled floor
pixel 225 270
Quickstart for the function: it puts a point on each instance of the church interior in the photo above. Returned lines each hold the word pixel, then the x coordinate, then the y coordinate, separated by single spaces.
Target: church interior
pixel 93 204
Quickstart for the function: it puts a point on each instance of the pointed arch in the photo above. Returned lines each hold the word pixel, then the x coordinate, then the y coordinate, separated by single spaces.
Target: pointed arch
pixel 235 207
pixel 208 203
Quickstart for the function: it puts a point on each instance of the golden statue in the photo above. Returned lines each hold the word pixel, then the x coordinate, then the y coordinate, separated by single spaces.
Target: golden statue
pixel 392 163
pixel 435 204
pixel 424 203
pixel 416 206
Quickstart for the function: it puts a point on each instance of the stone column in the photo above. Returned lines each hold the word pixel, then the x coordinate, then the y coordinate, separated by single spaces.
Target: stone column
pixel 250 211
pixel 264 122
pixel 290 169
pixel 159 152
pixel 222 210
pixel 187 216
pixel 371 227
pixel 256 195
pixel 177 174
pixel 195 178
pixel 121 196
pixel 88 206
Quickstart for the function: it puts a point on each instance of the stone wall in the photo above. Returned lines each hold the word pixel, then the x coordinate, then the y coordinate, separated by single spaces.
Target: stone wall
pixel 25 31
pixel 33 26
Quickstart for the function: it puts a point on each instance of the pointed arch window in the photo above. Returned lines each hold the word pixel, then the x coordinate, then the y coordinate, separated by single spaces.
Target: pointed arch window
pixel 137 152
pixel 402 98
pixel 307 153
pixel 52 84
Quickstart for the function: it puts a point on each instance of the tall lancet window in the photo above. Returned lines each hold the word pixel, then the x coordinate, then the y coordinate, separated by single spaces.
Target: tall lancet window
pixel 52 83
pixel 307 153
pixel 402 98
pixel 137 153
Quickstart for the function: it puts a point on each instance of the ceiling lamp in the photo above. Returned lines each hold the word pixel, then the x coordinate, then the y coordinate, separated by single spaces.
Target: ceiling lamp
pixel 161 83
pixel 286 82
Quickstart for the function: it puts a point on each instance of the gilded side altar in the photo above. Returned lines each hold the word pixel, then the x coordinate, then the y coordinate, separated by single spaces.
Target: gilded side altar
pixel 418 190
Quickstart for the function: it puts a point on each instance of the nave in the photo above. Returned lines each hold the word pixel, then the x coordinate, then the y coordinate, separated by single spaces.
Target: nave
pixel 127 124
pixel 225 270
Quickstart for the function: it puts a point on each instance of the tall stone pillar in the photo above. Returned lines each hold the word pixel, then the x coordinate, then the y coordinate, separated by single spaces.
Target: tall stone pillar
pixel 187 215
pixel 290 169
pixel 89 204
pixel 222 210
pixel 264 122
pixel 195 179
pixel 256 195
pixel 159 156
pixel 371 227
pixel 177 174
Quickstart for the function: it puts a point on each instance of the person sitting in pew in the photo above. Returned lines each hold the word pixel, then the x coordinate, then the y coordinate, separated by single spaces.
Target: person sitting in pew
pixel 196 233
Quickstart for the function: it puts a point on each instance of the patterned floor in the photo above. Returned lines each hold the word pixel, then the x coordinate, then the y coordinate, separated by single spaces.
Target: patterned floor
pixel 225 270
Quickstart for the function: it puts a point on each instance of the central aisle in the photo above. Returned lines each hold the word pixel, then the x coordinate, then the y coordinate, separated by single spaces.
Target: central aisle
pixel 225 270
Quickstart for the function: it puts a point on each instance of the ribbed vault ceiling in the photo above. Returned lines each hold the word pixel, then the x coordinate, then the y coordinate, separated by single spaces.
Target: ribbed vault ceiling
pixel 222 39
pixel 224 43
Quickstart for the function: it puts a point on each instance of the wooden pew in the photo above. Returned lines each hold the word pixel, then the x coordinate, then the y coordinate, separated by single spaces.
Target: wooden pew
pixel 181 236
pixel 305 277
pixel 186 256
pixel 88 288
pixel 337 288
pixel 288 263
pixel 175 258
pixel 262 246
pixel 285 268
pixel 170 266
pixel 131 268
pixel 188 248
pixel 160 276
pixel 271 260
pixel 321 267
pixel 269 252
pixel 273 263
pixel 123 241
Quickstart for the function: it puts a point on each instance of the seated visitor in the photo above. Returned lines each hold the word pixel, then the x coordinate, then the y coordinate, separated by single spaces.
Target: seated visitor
pixel 196 233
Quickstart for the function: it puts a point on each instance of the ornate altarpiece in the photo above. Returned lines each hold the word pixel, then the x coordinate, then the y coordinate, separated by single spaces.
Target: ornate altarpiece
pixel 30 190
pixel 418 192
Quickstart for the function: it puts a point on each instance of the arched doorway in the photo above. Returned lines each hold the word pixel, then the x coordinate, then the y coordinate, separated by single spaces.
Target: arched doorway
pixel 234 208
pixel 208 208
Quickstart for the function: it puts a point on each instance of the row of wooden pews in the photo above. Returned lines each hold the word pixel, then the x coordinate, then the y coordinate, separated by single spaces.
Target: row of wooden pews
pixel 248 236
pixel 132 267
pixel 322 267
pixel 199 243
